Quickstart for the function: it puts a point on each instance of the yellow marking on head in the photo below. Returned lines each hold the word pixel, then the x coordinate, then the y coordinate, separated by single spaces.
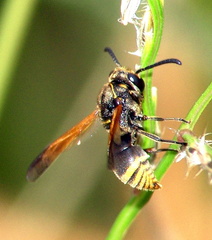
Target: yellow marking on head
pixel 112 89
pixel 123 85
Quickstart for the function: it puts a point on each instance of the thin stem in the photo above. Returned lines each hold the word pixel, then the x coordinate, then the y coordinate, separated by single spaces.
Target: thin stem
pixel 193 115
pixel 148 57
pixel 14 21
pixel 127 215
pixel 129 212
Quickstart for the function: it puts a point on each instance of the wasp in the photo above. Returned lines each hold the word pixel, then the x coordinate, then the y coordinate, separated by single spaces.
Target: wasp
pixel 119 108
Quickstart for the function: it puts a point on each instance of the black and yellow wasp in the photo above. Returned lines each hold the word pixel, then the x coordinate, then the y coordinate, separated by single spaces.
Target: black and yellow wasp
pixel 119 108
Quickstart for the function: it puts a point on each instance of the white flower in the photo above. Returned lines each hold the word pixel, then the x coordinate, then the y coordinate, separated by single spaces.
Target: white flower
pixel 198 152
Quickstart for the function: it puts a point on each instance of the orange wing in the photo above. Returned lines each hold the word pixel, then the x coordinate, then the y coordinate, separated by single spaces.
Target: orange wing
pixel 129 162
pixel 115 134
pixel 52 151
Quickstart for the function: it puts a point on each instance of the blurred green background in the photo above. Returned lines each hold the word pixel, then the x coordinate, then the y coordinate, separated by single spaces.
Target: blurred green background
pixel 54 79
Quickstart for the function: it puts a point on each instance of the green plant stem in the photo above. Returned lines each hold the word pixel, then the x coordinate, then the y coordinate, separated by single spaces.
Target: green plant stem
pixel 148 57
pixel 150 52
pixel 15 18
pixel 198 107
pixel 129 212
pixel 193 116
pixel 127 215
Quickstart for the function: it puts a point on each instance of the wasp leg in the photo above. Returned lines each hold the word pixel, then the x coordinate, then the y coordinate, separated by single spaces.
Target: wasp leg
pixel 144 118
pixel 156 138
pixel 154 150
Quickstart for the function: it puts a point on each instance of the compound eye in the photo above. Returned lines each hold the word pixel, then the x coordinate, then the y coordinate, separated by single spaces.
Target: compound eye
pixel 138 82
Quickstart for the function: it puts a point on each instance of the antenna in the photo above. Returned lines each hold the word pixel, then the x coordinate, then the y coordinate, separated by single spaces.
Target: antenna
pixel 170 60
pixel 113 56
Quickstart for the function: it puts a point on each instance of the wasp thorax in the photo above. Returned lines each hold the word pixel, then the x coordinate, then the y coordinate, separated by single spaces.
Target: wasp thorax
pixel 124 85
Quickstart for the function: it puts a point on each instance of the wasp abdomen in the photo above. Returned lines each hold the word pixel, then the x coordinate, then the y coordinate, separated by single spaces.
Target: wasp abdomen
pixel 131 166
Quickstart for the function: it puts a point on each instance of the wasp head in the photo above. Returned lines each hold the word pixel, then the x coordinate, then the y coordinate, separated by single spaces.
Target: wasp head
pixel 127 77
